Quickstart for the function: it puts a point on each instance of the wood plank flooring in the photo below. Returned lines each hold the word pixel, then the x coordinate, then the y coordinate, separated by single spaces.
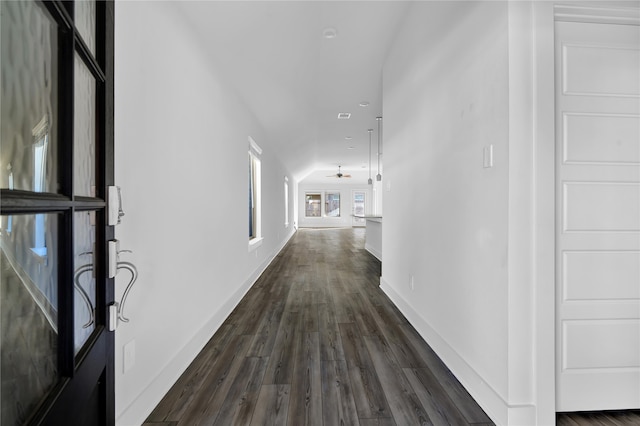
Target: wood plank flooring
pixel 316 342
pixel 599 418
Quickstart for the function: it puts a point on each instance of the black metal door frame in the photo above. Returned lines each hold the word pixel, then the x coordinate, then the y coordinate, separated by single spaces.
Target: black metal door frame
pixel 85 379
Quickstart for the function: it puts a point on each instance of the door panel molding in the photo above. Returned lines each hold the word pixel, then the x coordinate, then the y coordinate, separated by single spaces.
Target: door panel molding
pixel 587 12
pixel 597 216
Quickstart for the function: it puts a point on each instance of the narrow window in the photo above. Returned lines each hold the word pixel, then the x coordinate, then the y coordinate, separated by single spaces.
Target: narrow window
pixel 10 218
pixel 286 201
pixel 41 141
pixel 254 191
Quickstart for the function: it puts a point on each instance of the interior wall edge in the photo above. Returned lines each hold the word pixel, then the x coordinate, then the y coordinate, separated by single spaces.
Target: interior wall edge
pixel 496 406
pixel 521 148
pixel 140 408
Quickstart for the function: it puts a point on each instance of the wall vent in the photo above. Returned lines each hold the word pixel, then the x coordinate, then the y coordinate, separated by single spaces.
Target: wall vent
pixel 344 115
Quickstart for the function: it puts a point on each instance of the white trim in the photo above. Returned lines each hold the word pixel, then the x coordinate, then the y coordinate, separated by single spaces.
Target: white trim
pixel 253 146
pixel 597 14
pixel 254 243
pixel 487 397
pixel 544 213
pixel 520 309
pixel 373 251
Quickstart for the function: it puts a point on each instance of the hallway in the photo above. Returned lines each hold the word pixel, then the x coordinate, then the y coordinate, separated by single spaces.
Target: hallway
pixel 315 341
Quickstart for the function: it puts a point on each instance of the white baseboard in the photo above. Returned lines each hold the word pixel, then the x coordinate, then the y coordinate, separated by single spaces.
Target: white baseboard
pixel 137 412
pixel 373 251
pixel 486 396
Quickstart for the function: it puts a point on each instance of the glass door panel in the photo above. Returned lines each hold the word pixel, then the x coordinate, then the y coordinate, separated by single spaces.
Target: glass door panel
pixel 28 309
pixel 84 280
pixel 56 129
pixel 28 111
pixel 84 134
pixel 85 20
pixel 359 208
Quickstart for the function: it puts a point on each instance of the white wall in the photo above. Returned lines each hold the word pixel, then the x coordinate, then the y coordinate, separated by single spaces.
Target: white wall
pixel 181 160
pixel 449 91
pixel 346 203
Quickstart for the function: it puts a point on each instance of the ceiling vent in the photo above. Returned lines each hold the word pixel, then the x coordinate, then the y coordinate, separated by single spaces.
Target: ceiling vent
pixel 344 115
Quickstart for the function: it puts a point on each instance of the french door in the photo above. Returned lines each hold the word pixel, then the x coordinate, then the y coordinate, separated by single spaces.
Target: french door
pixel 56 162
pixel 359 207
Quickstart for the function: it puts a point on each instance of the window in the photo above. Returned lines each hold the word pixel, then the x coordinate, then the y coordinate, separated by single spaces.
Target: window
pixel 41 141
pixel 10 218
pixel 254 192
pixel 322 204
pixel 286 201
pixel 332 204
pixel 313 203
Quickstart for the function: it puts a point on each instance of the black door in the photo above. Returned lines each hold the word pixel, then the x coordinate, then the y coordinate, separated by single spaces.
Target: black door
pixel 56 163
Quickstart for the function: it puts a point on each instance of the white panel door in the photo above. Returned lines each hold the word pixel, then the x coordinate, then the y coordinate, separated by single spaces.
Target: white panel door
pixel 597 216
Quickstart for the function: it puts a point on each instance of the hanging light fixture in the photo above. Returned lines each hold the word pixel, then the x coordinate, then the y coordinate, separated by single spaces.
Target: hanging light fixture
pixel 370 181
pixel 379 176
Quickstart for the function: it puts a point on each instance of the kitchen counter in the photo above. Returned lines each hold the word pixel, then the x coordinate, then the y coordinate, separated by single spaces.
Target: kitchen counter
pixel 373 239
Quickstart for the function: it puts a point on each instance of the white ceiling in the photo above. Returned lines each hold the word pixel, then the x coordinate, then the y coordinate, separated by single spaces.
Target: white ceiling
pixel 296 81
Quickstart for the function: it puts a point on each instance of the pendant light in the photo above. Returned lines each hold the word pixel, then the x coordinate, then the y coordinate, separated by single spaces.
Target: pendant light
pixel 370 181
pixel 379 176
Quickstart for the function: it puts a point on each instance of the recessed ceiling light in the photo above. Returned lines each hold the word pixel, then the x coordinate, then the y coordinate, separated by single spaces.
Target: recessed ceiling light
pixel 329 33
pixel 348 138
pixel 351 147
pixel 364 104
pixel 344 115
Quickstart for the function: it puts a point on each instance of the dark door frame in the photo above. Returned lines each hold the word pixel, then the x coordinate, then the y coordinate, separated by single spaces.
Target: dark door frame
pixel 88 377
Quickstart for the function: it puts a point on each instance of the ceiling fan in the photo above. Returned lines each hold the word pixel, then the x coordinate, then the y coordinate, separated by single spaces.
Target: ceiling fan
pixel 339 174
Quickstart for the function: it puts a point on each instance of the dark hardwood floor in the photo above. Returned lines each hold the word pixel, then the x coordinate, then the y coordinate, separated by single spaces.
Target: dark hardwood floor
pixel 600 418
pixel 316 342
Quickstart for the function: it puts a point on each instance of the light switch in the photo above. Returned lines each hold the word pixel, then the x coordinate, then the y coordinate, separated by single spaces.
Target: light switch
pixel 488 156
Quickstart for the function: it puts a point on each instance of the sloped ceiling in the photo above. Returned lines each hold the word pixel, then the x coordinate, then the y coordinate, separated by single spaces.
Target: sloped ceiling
pixel 296 81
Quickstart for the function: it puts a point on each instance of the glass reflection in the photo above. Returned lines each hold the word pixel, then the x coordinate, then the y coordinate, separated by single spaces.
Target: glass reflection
pixel 84 145
pixel 28 313
pixel 28 105
pixel 85 19
pixel 84 277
